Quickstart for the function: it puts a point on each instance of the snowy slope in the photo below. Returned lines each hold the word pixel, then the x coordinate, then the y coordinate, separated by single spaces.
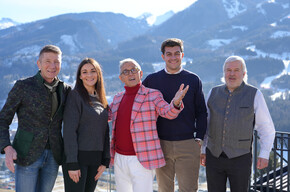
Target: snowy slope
pixel 234 7
pixel 154 20
pixel 6 23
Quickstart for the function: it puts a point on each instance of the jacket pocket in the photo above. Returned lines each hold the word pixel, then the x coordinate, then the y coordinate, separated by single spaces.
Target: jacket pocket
pixel 22 142
pixel 245 143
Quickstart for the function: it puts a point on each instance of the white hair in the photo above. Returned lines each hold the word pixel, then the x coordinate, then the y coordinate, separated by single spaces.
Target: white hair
pixel 128 60
pixel 232 59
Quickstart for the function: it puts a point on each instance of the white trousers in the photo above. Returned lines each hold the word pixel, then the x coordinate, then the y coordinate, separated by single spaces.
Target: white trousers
pixel 131 176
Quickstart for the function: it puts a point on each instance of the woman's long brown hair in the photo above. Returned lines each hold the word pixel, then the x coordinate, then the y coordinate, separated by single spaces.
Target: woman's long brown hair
pixel 100 88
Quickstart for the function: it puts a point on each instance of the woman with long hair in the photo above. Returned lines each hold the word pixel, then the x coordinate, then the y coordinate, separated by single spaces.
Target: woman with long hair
pixel 86 130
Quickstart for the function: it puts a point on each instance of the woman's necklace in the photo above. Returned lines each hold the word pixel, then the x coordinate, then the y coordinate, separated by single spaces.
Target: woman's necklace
pixel 94 94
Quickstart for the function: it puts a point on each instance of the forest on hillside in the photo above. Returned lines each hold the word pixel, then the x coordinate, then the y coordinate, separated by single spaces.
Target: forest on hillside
pixel 279 110
pixel 209 71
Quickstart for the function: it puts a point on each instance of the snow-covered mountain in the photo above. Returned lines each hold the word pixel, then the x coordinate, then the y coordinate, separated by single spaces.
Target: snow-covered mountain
pixel 211 30
pixel 75 33
pixel 7 22
pixel 257 30
pixel 154 20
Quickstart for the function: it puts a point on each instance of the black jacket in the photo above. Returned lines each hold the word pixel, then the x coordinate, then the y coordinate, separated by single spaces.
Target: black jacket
pixel 30 100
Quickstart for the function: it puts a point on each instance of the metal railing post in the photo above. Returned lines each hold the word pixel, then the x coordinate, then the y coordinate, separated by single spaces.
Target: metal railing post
pixel 277 175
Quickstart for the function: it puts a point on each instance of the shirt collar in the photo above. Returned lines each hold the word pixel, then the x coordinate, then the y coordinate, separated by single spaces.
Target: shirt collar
pixel 40 78
pixel 236 90
pixel 181 68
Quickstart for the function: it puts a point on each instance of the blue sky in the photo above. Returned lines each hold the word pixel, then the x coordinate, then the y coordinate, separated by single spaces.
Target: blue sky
pixel 31 10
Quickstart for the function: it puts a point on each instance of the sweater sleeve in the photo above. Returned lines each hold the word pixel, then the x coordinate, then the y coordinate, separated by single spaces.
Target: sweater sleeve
pixel 7 113
pixel 71 119
pixel 200 112
pixel 106 151
pixel 204 144
pixel 165 109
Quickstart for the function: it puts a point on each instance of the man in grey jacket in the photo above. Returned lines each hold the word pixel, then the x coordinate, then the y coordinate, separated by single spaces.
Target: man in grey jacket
pixel 235 109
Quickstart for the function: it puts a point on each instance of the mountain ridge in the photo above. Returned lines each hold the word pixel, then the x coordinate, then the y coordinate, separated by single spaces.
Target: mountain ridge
pixel 257 30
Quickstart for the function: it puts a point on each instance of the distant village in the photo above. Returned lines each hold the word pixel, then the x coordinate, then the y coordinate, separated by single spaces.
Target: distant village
pixel 6 177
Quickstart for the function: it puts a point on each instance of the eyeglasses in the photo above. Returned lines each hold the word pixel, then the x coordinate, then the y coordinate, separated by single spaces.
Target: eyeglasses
pixel 127 72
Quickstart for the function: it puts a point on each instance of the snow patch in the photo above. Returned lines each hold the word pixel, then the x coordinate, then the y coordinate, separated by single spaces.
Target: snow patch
pixel 267 82
pixel 217 43
pixel 148 17
pixel 281 94
pixel 286 5
pixel 40 27
pixel 68 61
pixel 65 77
pixel 282 56
pixel 158 66
pixel 234 7
pixel 242 28
pixel 109 98
pixel 280 34
pixel 6 23
pixel 69 40
pixel 31 51
pixel 284 18
pixel 154 20
pixel 162 18
pixel 260 9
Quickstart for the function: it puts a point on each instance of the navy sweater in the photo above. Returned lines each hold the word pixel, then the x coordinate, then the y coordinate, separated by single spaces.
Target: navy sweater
pixel 193 118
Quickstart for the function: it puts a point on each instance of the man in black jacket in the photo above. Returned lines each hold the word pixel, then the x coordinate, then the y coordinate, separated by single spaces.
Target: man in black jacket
pixel 37 148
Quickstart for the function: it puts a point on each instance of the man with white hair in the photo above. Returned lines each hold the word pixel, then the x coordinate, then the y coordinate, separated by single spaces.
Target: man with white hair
pixel 235 109
pixel 135 146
